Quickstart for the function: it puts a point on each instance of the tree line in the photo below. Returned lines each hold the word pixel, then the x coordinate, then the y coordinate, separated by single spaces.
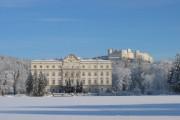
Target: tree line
pixel 129 78
pixel 137 78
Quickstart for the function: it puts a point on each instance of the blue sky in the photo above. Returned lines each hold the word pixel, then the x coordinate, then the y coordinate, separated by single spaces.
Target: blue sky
pixel 54 28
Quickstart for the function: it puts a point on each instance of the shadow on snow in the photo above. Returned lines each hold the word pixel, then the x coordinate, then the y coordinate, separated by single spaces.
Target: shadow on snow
pixel 102 110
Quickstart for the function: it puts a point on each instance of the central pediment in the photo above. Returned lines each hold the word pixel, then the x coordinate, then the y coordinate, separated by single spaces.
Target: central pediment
pixel 71 58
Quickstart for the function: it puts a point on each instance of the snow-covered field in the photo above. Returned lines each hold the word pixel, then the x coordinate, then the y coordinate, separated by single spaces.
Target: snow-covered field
pixel 90 108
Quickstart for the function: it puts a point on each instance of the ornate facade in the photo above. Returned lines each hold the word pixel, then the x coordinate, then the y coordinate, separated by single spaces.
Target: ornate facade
pixel 95 74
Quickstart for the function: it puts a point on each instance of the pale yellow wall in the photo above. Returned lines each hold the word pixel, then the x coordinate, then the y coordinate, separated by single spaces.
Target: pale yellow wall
pixel 92 69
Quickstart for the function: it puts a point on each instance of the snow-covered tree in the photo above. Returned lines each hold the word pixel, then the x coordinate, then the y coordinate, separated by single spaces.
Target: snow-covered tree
pixel 15 71
pixel 137 77
pixel 121 76
pixel 174 75
pixel 16 79
pixel 160 72
pixel 138 82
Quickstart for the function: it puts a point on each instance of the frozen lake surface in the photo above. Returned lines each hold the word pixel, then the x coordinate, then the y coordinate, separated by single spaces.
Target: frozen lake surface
pixel 90 108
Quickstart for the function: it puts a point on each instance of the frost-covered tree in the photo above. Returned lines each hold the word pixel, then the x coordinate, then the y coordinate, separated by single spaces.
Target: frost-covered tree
pixel 121 76
pixel 151 78
pixel 160 72
pixel 138 77
pixel 16 79
pixel 138 82
pixel 174 75
pixel 16 72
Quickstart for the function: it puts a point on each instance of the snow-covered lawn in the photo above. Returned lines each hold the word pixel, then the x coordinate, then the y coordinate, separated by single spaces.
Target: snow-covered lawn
pixel 90 108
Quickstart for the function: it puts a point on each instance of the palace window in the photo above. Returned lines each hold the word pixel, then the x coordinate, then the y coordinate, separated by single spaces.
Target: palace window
pixel 107 66
pixel 107 80
pixel 59 73
pixel 40 66
pixel 47 66
pixel 95 66
pixel 83 74
pixel 66 74
pixel 101 73
pixel 53 82
pixel 107 73
pixel 83 82
pixel 53 74
pixel 89 74
pixel 101 66
pixel 95 74
pixel 77 74
pixel 35 66
pixel 95 81
pixel 102 82
pixel 89 81
pixel 53 66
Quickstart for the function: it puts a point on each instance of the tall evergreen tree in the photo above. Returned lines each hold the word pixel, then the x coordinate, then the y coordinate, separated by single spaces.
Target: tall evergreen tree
pixel 29 84
pixel 35 91
pixel 81 87
pixel 42 84
pixel 77 86
pixel 174 75
pixel 67 87
pixel 36 84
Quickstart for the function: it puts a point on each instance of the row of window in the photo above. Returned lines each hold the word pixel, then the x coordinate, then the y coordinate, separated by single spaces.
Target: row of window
pixel 95 66
pixel 90 82
pixel 77 74
pixel 95 74
pixel 53 66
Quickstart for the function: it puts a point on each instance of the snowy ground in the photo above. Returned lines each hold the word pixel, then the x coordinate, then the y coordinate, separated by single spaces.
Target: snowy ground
pixel 90 108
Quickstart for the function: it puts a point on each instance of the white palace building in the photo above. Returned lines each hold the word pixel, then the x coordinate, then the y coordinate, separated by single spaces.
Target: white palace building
pixel 95 74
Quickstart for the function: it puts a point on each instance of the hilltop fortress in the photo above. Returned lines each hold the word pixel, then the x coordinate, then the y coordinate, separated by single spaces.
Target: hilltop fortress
pixel 129 54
